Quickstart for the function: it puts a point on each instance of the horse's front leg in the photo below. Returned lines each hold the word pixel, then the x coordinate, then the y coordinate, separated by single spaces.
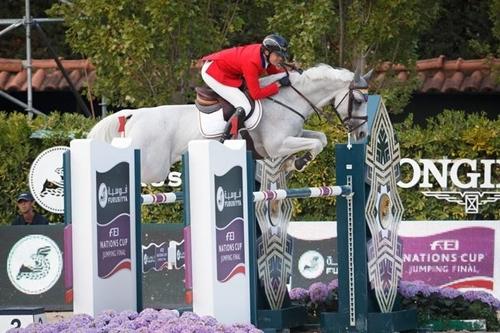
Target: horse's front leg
pixel 315 135
pixel 292 145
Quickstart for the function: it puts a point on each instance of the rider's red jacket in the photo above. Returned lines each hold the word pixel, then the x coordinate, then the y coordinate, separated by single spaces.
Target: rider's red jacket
pixel 232 66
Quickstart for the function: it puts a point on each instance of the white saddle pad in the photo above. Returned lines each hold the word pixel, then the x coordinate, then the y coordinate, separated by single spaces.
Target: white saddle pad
pixel 212 124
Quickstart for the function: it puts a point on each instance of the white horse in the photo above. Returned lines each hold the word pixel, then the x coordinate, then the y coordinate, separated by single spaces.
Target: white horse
pixel 162 133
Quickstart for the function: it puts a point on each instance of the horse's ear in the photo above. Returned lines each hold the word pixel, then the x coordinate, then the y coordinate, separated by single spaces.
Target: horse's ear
pixel 357 74
pixel 368 75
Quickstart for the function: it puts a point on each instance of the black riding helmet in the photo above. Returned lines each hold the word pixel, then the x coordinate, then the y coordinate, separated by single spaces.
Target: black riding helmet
pixel 276 43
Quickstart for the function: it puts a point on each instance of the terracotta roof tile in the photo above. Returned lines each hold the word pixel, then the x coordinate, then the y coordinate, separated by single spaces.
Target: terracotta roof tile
pixel 45 74
pixel 436 75
pixel 439 75
pixel 16 81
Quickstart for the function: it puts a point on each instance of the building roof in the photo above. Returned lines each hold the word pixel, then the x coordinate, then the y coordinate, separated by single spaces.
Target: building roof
pixel 439 75
pixel 45 75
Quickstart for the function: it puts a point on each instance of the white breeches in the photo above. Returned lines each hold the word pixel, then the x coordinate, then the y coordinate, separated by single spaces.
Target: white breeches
pixel 231 94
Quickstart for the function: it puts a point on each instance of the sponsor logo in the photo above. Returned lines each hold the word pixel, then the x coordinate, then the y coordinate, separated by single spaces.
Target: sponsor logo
pixel 34 264
pixel 220 198
pixel 46 179
pixel 107 195
pixel 466 182
pixel 103 195
pixel 311 264
pixel 228 199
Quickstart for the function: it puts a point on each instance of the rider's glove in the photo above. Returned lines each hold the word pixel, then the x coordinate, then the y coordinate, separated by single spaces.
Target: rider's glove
pixel 284 81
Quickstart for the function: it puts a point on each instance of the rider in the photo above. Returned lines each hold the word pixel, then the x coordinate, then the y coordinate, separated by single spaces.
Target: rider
pixel 226 71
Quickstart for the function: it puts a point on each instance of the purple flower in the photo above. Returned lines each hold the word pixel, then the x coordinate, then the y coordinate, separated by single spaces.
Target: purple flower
pixel 190 315
pixel 299 294
pixel 449 293
pixel 148 314
pixel 471 295
pixel 110 313
pixel 411 289
pixel 129 314
pixel 318 292
pixel 209 321
pixel 334 284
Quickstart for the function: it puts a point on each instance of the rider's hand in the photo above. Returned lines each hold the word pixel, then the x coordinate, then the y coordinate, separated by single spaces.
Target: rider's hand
pixel 285 81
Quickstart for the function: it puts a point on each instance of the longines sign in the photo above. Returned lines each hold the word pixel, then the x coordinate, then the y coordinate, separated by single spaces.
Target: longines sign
pixel 470 183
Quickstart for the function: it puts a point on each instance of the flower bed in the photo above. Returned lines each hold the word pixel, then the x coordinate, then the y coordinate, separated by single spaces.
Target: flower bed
pixel 147 321
pixel 432 303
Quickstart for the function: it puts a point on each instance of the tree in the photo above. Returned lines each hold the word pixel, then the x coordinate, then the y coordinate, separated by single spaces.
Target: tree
pixel 340 32
pixel 343 32
pixel 144 51
pixel 464 29
pixel 495 18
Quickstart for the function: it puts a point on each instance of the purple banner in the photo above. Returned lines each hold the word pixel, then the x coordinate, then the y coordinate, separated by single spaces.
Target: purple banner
pixel 230 250
pixel 113 246
pixel 461 258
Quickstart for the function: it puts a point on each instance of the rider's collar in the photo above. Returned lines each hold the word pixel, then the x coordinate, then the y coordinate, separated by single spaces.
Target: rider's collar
pixel 263 60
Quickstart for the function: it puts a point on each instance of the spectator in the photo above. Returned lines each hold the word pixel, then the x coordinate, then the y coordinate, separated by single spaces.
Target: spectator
pixel 27 215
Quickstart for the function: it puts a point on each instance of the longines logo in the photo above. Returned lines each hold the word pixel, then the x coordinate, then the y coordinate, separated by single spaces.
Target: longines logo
pixel 311 264
pixel 34 264
pixel 46 179
pixel 475 181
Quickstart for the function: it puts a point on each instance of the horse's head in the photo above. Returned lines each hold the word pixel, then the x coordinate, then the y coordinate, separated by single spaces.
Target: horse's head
pixel 351 105
pixel 343 89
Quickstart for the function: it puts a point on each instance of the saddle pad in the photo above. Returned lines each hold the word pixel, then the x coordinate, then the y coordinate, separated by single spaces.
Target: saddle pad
pixel 212 125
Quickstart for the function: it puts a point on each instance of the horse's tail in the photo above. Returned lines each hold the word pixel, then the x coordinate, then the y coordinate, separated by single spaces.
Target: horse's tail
pixel 107 129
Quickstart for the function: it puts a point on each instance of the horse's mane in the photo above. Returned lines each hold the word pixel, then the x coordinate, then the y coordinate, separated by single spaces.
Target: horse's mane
pixel 317 72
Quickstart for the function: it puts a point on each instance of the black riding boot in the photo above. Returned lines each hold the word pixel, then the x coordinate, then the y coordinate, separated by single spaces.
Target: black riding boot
pixel 239 113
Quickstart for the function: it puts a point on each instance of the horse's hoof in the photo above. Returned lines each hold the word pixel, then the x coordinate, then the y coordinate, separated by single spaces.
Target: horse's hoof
pixel 301 162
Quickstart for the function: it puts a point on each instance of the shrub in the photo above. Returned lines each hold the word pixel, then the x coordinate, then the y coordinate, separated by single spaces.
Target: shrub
pixel 431 303
pixel 148 320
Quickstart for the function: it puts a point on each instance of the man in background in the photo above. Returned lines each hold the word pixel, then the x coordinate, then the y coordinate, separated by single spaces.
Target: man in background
pixel 27 215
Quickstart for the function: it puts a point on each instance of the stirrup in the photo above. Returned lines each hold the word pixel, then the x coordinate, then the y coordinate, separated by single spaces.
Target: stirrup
pixel 239 114
pixel 226 135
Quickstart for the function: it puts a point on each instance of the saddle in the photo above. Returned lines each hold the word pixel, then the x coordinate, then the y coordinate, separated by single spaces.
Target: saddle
pixel 208 101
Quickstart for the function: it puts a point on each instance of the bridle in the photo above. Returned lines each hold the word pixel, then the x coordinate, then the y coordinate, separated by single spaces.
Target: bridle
pixel 346 121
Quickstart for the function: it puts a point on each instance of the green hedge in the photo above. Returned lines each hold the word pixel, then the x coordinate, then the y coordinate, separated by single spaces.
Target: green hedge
pixel 19 150
pixel 451 134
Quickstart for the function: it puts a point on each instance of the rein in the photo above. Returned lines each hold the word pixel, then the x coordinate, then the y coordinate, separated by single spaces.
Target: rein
pixel 288 107
pixel 314 107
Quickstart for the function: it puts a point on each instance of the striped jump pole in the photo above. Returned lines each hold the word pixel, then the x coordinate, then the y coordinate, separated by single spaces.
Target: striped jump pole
pixel 161 198
pixel 305 192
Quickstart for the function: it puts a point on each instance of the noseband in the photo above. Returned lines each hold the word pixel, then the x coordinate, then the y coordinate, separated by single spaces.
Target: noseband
pixel 346 120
